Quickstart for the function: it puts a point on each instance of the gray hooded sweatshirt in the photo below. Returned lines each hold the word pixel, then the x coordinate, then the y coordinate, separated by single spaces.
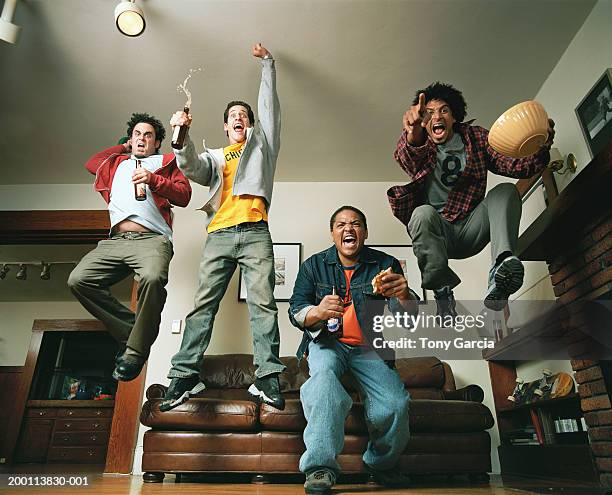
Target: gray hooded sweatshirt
pixel 255 172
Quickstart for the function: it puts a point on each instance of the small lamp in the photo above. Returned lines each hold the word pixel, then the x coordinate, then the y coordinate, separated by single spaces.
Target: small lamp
pixel 45 273
pixel 9 32
pixel 22 273
pixel 4 270
pixel 129 18
pixel 560 165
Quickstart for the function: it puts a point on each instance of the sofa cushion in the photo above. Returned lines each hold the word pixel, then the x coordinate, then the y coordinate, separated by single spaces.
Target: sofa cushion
pixel 437 416
pixel 237 371
pixel 203 414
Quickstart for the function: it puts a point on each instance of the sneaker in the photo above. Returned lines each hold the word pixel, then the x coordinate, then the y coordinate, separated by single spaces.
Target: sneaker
pixel 267 388
pixel 180 390
pixel 445 301
pixel 389 477
pixel 319 481
pixel 505 278
pixel 127 369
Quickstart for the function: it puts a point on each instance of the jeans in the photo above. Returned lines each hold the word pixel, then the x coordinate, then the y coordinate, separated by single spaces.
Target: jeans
pixel 435 240
pixel 249 246
pixel 326 405
pixel 147 256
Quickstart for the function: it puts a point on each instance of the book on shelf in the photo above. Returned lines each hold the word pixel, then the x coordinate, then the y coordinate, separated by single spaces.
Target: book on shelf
pixel 537 425
pixel 548 426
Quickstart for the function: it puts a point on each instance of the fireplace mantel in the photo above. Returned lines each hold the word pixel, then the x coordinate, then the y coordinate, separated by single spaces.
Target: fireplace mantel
pixel 589 194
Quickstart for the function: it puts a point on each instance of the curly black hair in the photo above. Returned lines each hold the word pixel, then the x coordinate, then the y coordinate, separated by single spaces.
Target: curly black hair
pixel 447 93
pixel 137 118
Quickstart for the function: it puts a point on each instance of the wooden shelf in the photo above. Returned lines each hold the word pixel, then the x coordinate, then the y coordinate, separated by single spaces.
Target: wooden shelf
pixel 556 461
pixel 586 194
pixel 539 403
pixel 71 403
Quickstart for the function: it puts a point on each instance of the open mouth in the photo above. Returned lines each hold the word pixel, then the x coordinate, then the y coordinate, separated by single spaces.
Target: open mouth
pixel 438 129
pixel 349 240
pixel 238 127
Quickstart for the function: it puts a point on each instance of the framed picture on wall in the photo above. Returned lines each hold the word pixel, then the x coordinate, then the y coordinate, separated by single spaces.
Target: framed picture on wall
pixel 409 265
pixel 287 260
pixel 594 113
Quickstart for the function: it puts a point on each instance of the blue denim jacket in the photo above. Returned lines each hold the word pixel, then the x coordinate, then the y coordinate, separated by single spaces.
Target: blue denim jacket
pixel 323 270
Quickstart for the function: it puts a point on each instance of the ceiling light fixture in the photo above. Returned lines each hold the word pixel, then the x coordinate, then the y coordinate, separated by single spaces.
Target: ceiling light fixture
pixel 129 18
pixel 9 32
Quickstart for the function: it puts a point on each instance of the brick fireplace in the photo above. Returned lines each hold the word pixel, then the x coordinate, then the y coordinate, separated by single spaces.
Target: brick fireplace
pixel 584 273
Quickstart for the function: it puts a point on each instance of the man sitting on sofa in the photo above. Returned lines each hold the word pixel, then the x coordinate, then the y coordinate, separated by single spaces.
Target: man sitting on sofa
pixel 349 267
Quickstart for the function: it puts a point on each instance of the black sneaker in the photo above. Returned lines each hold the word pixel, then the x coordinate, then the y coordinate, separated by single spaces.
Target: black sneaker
pixel 180 390
pixel 445 301
pixel 319 481
pixel 505 278
pixel 126 369
pixel 389 477
pixel 267 388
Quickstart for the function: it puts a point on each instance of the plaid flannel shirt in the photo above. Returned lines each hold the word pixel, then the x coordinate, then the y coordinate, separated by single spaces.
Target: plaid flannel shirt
pixel 469 190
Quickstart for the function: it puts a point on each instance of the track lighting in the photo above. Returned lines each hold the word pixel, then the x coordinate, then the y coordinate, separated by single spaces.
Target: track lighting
pixel 129 18
pixel 22 268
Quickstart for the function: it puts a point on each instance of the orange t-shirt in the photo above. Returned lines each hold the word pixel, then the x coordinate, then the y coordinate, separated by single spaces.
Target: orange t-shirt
pixel 351 331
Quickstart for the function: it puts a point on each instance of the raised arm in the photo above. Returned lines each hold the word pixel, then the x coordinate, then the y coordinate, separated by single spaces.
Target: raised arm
pixel 268 104
pixel 198 168
pixel 521 168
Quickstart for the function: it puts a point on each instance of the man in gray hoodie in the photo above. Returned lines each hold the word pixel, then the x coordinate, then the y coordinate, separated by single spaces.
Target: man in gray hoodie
pixel 241 178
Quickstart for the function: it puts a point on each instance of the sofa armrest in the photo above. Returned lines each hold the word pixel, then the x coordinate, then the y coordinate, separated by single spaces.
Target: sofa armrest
pixel 471 393
pixel 156 391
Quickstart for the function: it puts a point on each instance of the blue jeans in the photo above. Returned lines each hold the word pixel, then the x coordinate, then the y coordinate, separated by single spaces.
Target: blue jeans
pixel 248 245
pixel 326 405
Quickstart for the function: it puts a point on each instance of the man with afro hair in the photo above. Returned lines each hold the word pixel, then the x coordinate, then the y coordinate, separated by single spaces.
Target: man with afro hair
pixel 444 207
pixel 139 243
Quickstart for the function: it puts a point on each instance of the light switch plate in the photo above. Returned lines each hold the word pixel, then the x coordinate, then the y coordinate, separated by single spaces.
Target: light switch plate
pixel 177 325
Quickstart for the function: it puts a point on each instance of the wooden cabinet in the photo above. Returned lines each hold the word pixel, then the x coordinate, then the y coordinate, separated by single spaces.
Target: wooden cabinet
pixel 554 452
pixel 35 439
pixel 53 432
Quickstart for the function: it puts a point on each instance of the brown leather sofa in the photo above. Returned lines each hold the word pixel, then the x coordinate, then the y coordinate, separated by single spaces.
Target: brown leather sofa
pixel 225 430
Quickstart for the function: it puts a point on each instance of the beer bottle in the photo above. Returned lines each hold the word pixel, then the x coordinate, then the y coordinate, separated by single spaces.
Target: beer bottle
pixel 334 324
pixel 140 190
pixel 178 135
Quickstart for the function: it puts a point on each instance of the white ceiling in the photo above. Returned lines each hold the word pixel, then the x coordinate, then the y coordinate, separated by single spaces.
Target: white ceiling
pixel 347 70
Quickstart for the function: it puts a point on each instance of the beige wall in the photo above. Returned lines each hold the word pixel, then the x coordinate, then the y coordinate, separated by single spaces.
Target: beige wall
pixel 584 61
pixel 16 320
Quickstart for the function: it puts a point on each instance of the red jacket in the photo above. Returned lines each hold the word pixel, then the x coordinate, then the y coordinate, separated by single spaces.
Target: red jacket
pixel 168 185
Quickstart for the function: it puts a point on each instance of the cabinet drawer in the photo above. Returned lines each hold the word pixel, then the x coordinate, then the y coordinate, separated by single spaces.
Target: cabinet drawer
pixel 79 412
pixel 80 438
pixel 82 424
pixel 79 454
pixel 40 413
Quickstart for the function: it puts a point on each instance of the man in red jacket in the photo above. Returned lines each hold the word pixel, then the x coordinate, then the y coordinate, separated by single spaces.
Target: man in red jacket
pixel 444 207
pixel 140 240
